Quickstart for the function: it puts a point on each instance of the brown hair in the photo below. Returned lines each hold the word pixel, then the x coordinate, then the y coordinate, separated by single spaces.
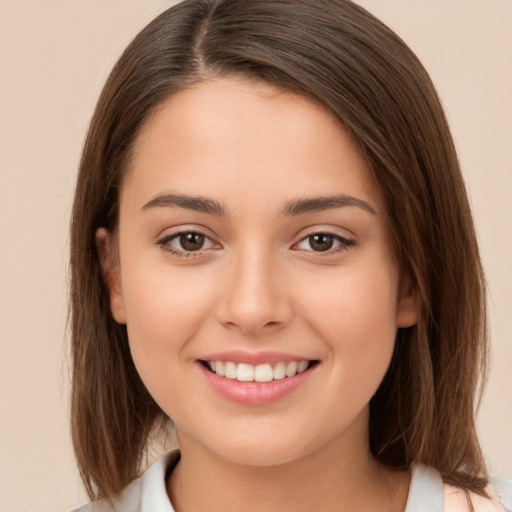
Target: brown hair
pixel 340 55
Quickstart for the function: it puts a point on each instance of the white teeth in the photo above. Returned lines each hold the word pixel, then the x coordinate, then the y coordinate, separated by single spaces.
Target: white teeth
pixel 291 369
pixel 219 368
pixel 302 366
pixel 263 373
pixel 279 371
pixel 230 370
pixel 244 372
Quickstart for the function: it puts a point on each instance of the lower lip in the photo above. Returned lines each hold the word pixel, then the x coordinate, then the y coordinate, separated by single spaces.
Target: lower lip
pixel 255 393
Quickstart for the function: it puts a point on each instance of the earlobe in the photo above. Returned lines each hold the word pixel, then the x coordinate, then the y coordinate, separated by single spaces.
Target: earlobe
pixel 110 268
pixel 408 311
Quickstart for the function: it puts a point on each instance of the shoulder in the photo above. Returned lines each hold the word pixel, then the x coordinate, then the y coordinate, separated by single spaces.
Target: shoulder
pixel 499 500
pixel 146 493
pixel 428 493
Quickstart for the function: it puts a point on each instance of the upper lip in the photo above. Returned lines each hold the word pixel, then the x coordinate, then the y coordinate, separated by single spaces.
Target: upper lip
pixel 254 358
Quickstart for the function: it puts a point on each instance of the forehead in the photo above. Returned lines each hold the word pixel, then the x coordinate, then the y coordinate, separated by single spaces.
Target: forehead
pixel 250 138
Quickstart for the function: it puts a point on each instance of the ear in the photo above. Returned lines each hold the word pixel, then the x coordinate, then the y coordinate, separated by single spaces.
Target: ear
pixel 408 310
pixel 109 263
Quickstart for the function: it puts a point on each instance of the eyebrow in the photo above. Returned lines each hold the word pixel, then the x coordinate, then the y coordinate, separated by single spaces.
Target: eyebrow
pixel 196 203
pixel 291 208
pixel 316 204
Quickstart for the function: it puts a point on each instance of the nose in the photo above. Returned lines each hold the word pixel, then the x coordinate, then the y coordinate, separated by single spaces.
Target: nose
pixel 254 296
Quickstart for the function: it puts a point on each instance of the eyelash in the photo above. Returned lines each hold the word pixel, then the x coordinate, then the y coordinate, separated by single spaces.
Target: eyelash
pixel 163 243
pixel 345 243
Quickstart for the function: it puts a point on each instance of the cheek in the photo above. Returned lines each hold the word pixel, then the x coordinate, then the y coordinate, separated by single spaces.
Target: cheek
pixel 362 298
pixel 356 316
pixel 165 308
pixel 161 297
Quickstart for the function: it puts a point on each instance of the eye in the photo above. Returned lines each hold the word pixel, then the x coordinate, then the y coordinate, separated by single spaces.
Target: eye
pixel 323 242
pixel 186 243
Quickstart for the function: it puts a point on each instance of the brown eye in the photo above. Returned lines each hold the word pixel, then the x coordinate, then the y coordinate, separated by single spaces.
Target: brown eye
pixel 324 242
pixel 188 243
pixel 191 241
pixel 321 242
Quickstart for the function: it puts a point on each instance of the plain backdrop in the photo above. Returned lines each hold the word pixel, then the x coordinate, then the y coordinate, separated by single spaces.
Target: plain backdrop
pixel 54 58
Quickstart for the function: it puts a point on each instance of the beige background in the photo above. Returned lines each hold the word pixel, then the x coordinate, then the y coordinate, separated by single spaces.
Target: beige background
pixel 54 57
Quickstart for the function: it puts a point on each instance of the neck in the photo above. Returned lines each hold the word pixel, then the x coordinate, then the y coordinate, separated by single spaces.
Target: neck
pixel 340 477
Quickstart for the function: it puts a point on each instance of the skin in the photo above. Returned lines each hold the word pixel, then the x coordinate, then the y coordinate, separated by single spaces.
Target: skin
pixel 258 284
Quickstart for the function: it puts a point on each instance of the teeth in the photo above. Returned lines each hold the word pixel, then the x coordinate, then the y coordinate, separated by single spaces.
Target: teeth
pixel 279 371
pixel 218 368
pixel 291 369
pixel 230 370
pixel 302 366
pixel 263 373
pixel 244 372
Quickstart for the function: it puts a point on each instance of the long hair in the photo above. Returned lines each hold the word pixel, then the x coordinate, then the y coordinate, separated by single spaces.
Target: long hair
pixel 338 54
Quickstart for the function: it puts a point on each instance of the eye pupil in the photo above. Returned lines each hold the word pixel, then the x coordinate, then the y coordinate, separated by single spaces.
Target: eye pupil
pixel 321 242
pixel 192 241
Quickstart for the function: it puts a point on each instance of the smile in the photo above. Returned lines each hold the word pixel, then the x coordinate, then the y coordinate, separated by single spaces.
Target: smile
pixel 244 372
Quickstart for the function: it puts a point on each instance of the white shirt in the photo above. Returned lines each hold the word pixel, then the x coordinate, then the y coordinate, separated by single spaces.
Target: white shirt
pixel 427 493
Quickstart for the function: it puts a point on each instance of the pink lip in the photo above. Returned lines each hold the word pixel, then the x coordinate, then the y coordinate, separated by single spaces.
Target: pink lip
pixel 254 358
pixel 254 393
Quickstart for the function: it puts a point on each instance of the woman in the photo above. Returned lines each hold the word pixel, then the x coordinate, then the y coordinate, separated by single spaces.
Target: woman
pixel 272 248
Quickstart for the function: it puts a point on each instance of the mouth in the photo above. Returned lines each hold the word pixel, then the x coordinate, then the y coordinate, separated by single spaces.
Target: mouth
pixel 256 378
pixel 261 373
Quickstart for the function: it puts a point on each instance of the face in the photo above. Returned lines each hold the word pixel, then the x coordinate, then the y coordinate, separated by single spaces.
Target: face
pixel 254 273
